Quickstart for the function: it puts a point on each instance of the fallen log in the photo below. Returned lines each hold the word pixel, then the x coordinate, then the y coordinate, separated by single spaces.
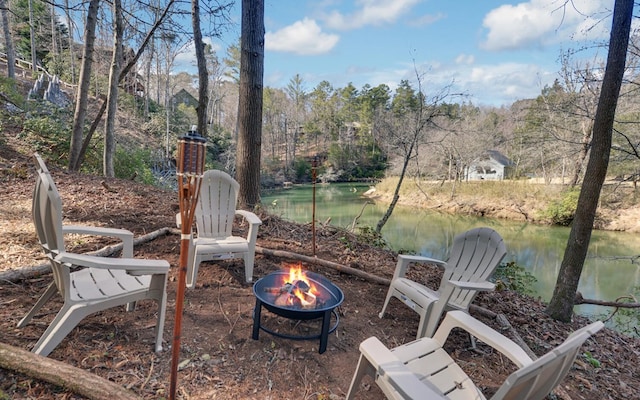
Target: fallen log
pixel 317 261
pixel 63 375
pixel 504 322
pixel 15 275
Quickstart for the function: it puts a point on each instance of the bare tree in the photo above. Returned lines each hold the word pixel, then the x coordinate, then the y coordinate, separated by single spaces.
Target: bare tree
pixel 561 305
pixel 250 103
pixel 405 127
pixel 79 149
pixel 203 77
pixel 112 96
pixel 8 43
pixel 83 86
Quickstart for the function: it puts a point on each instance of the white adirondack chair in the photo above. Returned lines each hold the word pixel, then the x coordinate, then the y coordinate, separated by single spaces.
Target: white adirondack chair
pixel 423 370
pixel 474 256
pixel 214 216
pixel 88 284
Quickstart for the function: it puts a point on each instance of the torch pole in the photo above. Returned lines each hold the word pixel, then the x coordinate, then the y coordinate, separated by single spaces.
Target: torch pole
pixel 313 207
pixel 189 173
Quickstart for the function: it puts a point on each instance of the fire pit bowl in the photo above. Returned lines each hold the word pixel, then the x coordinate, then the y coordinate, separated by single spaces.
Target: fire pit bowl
pixel 329 296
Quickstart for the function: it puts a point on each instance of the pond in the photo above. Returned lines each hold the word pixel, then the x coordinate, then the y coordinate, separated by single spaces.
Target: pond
pixel 607 274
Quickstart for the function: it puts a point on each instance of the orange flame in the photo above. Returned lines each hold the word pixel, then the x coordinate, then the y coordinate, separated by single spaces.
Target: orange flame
pixel 297 274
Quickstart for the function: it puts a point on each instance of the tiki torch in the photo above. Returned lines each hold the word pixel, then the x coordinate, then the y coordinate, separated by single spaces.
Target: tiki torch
pixel 191 153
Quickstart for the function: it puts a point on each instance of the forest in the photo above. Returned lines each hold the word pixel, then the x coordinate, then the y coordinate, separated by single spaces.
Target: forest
pixel 349 133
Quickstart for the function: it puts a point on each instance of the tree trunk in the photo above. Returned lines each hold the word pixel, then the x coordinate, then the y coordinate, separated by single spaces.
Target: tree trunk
pixel 561 305
pixel 203 76
pixel 584 152
pixel 396 193
pixel 112 96
pixel 8 43
pixel 84 83
pixel 70 26
pixel 250 103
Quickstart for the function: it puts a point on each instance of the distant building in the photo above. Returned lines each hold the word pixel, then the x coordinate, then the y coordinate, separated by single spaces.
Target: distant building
pixel 492 165
pixel 184 97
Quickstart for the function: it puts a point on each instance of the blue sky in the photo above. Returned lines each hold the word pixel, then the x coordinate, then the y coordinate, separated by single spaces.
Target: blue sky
pixel 493 51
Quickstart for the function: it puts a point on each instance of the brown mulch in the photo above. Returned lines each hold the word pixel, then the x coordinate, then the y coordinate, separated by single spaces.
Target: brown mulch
pixel 224 361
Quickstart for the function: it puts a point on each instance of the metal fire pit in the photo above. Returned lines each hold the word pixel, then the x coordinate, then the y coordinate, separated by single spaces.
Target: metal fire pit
pixel 329 294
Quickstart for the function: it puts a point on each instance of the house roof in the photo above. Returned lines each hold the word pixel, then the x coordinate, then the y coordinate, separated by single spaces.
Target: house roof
pixel 499 157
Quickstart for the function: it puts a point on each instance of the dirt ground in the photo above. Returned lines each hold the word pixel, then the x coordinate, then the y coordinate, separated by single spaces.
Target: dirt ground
pixel 224 362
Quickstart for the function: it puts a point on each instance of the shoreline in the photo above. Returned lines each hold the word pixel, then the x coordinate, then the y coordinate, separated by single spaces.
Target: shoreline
pixel 513 208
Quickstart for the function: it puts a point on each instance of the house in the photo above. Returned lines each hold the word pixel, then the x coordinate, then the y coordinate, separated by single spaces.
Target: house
pixel 492 165
pixel 184 97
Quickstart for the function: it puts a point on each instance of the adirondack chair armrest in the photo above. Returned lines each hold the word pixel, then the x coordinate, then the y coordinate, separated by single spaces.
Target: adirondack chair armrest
pixel 479 286
pixel 251 218
pixel 133 266
pixel 460 319
pixel 122 234
pixel 404 260
pixel 389 367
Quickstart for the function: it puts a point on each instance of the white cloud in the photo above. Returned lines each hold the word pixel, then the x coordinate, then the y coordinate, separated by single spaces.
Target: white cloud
pixel 302 37
pixel 371 12
pixel 427 19
pixel 538 23
pixel 465 59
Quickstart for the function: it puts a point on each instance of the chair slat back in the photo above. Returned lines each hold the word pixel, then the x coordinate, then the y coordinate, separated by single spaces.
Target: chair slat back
pixel 475 254
pixel 216 207
pixel 47 218
pixel 536 380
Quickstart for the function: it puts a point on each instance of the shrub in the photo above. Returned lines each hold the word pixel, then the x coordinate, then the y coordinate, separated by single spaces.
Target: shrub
pixel 563 211
pixel 134 164
pixel 511 276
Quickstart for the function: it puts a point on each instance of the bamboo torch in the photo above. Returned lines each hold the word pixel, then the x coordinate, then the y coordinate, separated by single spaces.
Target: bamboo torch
pixel 191 154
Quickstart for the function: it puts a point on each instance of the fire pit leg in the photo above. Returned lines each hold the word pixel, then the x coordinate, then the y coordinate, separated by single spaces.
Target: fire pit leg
pixel 256 319
pixel 324 334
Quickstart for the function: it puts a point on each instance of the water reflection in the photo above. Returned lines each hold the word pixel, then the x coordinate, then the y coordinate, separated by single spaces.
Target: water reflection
pixel 608 272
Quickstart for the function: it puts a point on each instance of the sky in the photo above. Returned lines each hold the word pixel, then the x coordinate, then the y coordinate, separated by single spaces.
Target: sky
pixel 492 52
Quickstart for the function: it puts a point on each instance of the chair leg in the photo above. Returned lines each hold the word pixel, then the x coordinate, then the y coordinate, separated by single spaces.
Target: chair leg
pixel 192 270
pixel 386 301
pixel 159 283
pixel 67 318
pixel 130 306
pixel 422 326
pixel 364 368
pixel 46 296
pixel 249 261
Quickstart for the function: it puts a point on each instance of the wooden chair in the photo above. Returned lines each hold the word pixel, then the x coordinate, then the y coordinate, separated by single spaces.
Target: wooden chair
pixel 88 284
pixel 423 370
pixel 474 256
pixel 214 217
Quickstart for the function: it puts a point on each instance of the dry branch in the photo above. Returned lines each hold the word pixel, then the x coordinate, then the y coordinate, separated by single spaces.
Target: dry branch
pixel 60 374
pixel 618 304
pixel 317 261
pixel 15 275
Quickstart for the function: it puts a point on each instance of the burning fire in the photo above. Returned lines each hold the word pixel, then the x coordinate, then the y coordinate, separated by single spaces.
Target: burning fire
pixel 298 290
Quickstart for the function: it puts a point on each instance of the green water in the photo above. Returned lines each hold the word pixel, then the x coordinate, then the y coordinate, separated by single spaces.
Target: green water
pixel 608 271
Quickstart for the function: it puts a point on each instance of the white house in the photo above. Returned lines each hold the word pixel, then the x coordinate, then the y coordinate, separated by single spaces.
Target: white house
pixel 492 165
